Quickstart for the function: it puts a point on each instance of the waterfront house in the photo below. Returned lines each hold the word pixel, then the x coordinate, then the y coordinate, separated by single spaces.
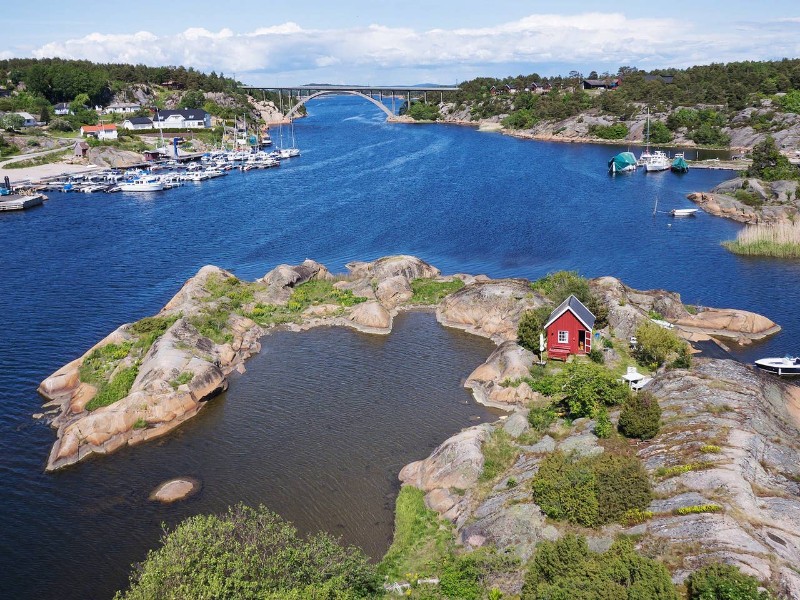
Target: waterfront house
pixel 30 120
pixel 122 108
pixel 104 131
pixel 569 329
pixel 61 109
pixel 137 123
pixel 187 118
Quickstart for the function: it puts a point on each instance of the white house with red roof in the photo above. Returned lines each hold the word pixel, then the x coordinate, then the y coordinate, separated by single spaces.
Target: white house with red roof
pixel 104 131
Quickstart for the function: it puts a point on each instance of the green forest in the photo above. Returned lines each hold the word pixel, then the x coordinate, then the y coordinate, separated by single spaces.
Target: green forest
pixel 711 94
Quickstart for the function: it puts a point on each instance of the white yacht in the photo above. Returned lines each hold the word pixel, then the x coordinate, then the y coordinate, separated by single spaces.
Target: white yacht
pixel 657 161
pixel 147 184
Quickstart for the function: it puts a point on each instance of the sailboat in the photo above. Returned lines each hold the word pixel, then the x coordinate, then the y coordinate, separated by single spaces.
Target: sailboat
pixel 655 161
pixel 286 152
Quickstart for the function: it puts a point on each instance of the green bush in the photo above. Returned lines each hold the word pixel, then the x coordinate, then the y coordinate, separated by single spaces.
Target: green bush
pixel 640 417
pixel 769 164
pixel 589 386
pixel 540 418
pixel 617 131
pixel 591 491
pixel 655 344
pixel 749 198
pixel 659 133
pixel 597 356
pixel 603 427
pixel 559 285
pixel 567 570
pixel 114 390
pixel 723 582
pixel 250 553
pixel 421 111
pixel 531 325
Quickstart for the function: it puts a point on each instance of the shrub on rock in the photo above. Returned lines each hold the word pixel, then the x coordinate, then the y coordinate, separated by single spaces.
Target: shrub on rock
pixel 640 417
pixel 723 582
pixel 531 324
pixel 567 570
pixel 591 490
pixel 656 344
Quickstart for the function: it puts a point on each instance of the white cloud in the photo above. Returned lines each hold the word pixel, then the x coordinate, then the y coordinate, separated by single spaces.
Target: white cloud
pixel 282 53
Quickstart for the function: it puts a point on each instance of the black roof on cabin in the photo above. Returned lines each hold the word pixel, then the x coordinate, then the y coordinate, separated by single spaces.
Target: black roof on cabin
pixel 577 308
pixel 140 121
pixel 189 114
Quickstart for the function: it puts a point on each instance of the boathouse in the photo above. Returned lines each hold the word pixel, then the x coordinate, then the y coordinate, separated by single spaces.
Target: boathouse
pixel 569 329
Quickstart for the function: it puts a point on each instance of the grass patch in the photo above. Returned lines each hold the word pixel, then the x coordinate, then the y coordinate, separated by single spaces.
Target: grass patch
pixel 149 329
pixel 667 472
pixel 428 291
pixel 499 453
pixel 700 508
pixel 47 159
pixel 181 379
pixel 96 367
pixel 213 324
pixel 320 291
pixel 140 423
pixel 421 538
pixel 311 293
pixel 116 389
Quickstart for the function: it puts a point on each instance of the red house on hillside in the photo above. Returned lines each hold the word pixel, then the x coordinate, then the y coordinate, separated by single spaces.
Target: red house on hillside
pixel 569 329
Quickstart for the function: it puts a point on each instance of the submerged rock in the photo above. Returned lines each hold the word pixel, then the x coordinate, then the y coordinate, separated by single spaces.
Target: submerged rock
pixel 175 489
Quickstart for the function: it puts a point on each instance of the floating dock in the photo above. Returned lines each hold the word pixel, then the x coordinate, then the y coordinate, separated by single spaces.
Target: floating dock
pixel 20 201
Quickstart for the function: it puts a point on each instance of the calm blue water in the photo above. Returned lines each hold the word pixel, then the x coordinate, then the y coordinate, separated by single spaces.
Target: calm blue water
pixel 466 201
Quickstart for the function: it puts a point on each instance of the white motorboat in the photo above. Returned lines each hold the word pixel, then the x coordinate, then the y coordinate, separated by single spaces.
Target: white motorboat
pixel 683 212
pixel 149 184
pixel 788 365
pixel 658 161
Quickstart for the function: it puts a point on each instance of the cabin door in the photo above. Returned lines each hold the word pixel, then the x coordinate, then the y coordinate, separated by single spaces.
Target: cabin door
pixel 584 342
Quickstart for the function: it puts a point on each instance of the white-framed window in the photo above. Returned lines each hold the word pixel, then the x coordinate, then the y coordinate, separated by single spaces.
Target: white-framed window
pixel 563 337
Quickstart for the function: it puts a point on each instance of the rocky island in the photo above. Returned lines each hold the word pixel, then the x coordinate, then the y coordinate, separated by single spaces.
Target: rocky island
pixel 724 466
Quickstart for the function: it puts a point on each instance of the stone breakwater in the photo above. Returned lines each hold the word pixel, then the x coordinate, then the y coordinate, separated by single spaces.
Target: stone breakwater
pixel 183 368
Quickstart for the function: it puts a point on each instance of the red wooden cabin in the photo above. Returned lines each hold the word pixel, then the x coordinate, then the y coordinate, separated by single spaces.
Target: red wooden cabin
pixel 569 329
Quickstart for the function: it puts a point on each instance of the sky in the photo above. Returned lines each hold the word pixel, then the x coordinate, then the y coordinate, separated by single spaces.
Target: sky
pixel 402 42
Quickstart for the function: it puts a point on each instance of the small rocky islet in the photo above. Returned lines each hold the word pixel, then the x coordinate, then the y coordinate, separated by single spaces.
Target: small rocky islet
pixel 742 426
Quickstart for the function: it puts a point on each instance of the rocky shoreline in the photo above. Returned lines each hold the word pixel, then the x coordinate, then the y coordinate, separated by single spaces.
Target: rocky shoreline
pixel 752 419
pixel 182 368
pixel 771 203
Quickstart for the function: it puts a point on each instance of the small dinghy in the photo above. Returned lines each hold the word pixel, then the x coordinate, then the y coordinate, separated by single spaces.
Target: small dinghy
pixel 786 366
pixel 683 212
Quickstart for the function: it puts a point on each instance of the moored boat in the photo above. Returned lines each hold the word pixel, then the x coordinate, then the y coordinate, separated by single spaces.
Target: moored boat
pixel 786 366
pixel 149 184
pixel 658 161
pixel 679 164
pixel 683 212
pixel 623 162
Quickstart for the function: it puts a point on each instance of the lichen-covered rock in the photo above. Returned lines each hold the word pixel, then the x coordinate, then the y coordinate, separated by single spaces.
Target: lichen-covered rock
pixel 490 309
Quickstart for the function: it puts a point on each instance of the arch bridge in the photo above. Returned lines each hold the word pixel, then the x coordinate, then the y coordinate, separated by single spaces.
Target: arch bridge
pixel 304 93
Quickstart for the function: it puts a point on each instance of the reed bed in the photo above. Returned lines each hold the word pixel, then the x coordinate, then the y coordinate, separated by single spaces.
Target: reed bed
pixel 781 240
